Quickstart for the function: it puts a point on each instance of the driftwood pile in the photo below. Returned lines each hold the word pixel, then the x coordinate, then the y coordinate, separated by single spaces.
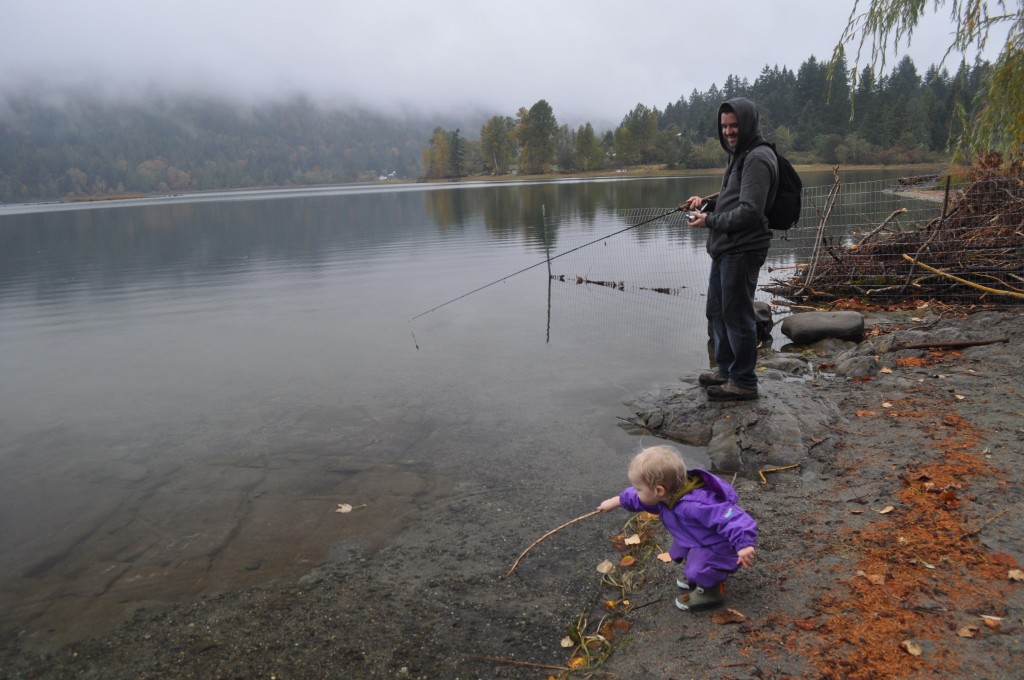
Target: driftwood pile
pixel 973 254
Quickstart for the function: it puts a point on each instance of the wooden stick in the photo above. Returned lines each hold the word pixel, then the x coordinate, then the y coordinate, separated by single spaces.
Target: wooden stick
pixel 534 544
pixel 985 523
pixel 514 662
pixel 986 289
pixel 952 344
pixel 774 469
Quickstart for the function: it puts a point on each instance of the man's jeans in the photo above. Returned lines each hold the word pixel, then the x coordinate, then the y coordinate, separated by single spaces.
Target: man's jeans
pixel 730 309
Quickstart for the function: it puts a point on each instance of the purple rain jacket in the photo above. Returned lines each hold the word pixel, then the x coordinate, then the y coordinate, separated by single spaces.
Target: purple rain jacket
pixel 707 517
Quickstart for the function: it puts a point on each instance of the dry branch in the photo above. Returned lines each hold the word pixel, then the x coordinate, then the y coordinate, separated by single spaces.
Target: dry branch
pixel 978 237
pixel 952 344
pixel 534 544
pixel 987 289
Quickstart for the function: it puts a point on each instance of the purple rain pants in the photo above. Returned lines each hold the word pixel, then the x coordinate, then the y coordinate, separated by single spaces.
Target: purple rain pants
pixel 707 568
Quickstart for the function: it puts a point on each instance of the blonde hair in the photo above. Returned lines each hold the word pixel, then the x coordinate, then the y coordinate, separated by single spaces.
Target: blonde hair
pixel 660 465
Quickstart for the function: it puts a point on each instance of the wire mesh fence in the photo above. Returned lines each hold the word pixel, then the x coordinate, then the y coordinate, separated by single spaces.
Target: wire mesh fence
pixel 904 242
pixel 880 242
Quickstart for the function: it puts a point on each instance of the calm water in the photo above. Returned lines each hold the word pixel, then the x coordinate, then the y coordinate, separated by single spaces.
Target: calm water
pixel 191 385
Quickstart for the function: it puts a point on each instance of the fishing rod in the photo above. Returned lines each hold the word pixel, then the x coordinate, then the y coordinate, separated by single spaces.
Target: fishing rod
pixel 532 266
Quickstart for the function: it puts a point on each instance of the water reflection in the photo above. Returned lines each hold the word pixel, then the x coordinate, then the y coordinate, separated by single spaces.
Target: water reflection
pixel 188 389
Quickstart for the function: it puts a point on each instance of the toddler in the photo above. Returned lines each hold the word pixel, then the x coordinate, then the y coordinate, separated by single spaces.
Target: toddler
pixel 713 534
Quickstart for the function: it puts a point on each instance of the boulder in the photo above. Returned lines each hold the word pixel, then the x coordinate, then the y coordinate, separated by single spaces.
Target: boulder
pixel 809 327
pixel 776 430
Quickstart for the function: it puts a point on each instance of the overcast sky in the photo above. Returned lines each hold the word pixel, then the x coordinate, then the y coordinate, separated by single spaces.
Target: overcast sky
pixel 590 59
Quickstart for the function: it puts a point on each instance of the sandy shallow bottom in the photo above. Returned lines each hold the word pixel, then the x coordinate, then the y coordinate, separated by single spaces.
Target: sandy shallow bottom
pixel 901 540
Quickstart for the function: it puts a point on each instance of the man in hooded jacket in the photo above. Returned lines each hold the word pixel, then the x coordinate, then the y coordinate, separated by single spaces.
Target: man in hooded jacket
pixel 738 240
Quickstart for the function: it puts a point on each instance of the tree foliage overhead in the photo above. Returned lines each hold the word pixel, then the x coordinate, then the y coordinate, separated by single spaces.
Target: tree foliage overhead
pixel 996 122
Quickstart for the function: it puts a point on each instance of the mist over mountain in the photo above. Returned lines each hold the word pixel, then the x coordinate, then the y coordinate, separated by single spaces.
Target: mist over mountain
pixel 58 143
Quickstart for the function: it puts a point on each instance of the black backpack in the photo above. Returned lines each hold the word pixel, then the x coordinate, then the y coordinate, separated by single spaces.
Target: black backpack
pixel 784 212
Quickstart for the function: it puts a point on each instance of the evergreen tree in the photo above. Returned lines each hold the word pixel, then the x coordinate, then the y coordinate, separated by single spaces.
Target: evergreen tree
pixel 996 118
pixel 589 153
pixel 537 133
pixel 498 144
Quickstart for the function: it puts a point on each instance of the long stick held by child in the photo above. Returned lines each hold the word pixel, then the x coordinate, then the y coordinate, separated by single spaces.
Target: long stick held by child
pixel 535 543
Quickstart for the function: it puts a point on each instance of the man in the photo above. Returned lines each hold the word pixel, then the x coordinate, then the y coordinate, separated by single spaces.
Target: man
pixel 738 240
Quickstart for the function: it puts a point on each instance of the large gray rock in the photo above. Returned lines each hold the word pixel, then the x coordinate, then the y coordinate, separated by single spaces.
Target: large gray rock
pixel 764 322
pixel 776 430
pixel 808 327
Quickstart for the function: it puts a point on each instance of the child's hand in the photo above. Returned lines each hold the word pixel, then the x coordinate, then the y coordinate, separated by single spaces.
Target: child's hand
pixel 746 556
pixel 609 505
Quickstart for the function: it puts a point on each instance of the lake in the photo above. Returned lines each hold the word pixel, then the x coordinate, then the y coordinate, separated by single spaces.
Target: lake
pixel 191 385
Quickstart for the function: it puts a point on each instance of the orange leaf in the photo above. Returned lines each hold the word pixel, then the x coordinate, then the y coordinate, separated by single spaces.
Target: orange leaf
pixel 911 647
pixel 627 561
pixel 991 621
pixel 728 616
pixel 577 662
pixel 1004 559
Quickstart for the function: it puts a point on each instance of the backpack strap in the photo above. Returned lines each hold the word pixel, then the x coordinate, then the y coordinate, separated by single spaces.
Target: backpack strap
pixel 774 189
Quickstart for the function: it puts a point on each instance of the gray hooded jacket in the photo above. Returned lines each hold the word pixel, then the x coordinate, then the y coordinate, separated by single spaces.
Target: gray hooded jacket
pixel 738 223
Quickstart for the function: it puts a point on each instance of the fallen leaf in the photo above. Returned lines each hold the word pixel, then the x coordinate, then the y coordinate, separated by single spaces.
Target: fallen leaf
pixel 605 567
pixel 620 626
pixel 664 557
pixel 1016 575
pixel 627 561
pixel 865 413
pixel 567 642
pixel 967 631
pixel 856 512
pixel 959 396
pixel 886 404
pixel 343 507
pixel 1005 559
pixel 911 647
pixel 633 540
pixel 991 621
pixel 577 662
pixel 876 579
pixel 885 369
pixel 886 510
pixel 728 616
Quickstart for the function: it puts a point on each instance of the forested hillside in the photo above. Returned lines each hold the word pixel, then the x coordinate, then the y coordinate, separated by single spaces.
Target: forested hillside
pixel 75 145
pixel 82 146
pixel 903 117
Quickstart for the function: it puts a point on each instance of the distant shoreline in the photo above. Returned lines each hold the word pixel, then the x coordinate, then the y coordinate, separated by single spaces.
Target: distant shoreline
pixel 625 173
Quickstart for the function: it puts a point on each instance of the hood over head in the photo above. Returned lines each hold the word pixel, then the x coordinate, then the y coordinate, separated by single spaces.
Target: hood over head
pixel 748 118
pixel 717 486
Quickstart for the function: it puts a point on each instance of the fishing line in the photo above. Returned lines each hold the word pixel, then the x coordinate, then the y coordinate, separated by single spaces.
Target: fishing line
pixel 545 261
